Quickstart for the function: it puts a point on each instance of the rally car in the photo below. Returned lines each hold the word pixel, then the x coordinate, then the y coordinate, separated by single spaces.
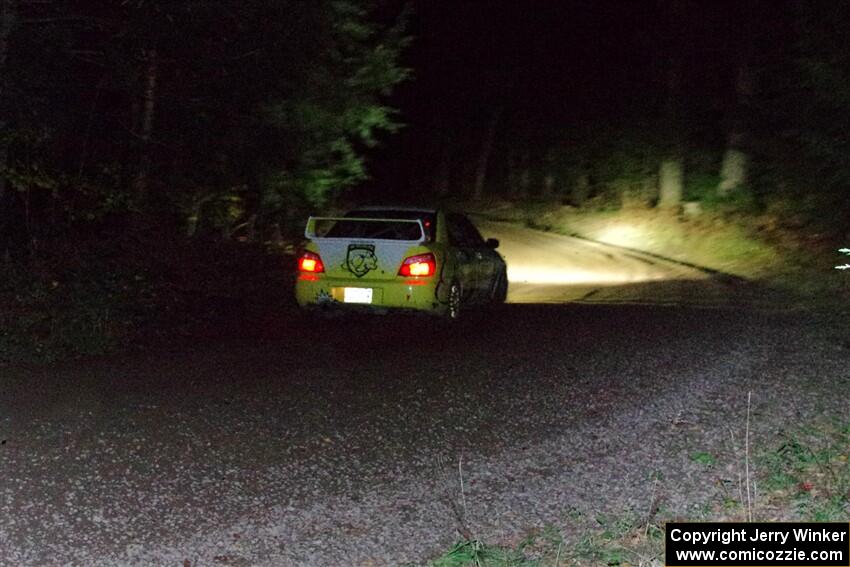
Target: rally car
pixel 384 258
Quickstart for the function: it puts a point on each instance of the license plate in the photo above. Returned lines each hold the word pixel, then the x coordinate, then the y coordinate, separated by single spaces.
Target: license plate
pixel 357 295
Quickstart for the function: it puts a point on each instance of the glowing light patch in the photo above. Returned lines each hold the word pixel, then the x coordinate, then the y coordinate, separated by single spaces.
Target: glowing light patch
pixel 357 295
pixel 621 235
pixel 310 262
pixel 420 269
pixel 569 276
pixel 422 265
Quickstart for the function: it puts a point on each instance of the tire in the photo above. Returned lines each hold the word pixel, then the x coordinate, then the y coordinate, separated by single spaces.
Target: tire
pixel 499 292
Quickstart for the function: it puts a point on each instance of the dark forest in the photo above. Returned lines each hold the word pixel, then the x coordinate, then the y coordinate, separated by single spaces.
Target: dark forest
pixel 129 124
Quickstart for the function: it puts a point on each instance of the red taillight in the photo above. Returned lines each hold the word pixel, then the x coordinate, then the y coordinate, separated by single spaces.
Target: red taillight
pixel 310 262
pixel 422 265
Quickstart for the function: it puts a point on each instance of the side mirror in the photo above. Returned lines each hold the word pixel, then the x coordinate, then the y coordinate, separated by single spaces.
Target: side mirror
pixel 492 243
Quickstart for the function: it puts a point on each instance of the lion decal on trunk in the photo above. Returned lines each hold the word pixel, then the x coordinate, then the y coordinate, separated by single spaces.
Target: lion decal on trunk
pixel 361 259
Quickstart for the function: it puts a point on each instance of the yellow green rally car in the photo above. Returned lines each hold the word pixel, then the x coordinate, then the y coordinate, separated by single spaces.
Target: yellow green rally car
pixel 399 258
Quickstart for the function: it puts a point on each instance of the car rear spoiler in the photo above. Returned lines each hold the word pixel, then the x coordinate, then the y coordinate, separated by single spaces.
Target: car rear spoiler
pixel 310 230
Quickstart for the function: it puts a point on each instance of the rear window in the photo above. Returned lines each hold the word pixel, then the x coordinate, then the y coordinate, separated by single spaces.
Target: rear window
pixel 385 230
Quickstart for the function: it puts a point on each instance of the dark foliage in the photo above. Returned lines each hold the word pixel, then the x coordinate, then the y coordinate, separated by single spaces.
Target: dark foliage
pixel 139 138
pixel 203 114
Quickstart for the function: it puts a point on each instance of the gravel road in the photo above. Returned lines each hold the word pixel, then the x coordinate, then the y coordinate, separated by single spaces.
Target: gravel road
pixel 282 440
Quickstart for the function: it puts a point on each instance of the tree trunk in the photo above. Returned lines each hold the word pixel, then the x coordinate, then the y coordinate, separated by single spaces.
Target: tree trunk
pixel 524 181
pixel 194 218
pixel 548 187
pixel 512 177
pixel 521 176
pixel 735 166
pixel 484 156
pixel 7 23
pixel 581 190
pixel 670 183
pixel 670 172
pixel 140 183
pixel 251 229
pixel 277 235
pixel 733 170
pixel 441 179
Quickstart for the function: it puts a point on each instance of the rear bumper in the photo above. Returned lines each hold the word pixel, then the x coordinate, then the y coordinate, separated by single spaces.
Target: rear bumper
pixel 320 291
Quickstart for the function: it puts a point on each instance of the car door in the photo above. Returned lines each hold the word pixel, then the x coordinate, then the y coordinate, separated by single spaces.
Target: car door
pixel 463 254
pixel 485 258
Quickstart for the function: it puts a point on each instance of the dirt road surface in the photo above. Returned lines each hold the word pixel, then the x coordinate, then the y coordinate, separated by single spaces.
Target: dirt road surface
pixel 279 439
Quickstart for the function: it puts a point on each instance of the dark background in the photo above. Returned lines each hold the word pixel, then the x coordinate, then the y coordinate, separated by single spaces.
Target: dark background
pixel 562 75
pixel 152 152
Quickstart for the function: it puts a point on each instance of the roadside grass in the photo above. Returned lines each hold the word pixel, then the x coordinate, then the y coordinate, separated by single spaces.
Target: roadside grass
pixel 474 552
pixel 804 476
pixel 810 473
pixel 618 542
pixel 756 247
pixel 91 297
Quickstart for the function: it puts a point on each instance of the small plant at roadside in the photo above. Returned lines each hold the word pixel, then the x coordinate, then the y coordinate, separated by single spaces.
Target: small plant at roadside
pixel 478 554
pixel 703 458
pixel 805 476
pixel 604 548
pixel 810 473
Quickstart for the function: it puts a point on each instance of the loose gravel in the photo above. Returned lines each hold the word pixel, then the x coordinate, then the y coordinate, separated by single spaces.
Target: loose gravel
pixel 343 442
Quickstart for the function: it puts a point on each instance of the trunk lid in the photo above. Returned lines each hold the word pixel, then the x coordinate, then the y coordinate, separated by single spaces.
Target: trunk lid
pixel 364 249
